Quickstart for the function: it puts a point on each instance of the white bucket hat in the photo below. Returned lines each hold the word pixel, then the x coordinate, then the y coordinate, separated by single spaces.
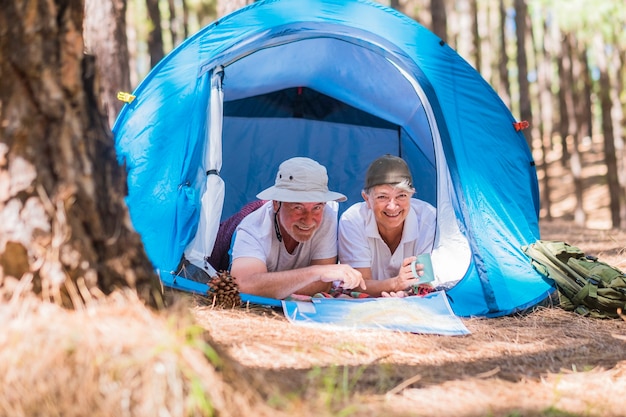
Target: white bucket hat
pixel 301 180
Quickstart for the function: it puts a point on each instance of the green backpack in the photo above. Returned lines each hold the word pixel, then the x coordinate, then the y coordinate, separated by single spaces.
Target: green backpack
pixel 585 285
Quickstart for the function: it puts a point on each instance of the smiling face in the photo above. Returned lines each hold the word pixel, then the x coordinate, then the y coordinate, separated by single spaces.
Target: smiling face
pixel 300 220
pixel 390 205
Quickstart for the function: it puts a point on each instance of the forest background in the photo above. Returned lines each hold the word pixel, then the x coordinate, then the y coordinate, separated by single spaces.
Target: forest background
pixel 557 64
pixel 93 348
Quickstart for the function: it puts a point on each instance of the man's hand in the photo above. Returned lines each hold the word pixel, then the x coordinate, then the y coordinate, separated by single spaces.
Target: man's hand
pixel 349 277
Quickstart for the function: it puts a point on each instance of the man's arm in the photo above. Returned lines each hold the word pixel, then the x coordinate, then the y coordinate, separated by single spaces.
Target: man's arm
pixel 252 278
pixel 319 286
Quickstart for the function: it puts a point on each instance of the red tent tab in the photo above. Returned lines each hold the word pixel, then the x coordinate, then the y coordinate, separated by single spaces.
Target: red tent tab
pixel 521 125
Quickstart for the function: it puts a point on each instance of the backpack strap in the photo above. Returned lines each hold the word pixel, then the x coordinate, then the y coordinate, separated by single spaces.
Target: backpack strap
pixel 545 251
pixel 575 293
pixel 589 290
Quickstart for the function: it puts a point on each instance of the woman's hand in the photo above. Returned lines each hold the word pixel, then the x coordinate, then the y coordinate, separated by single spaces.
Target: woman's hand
pixel 406 278
pixel 394 294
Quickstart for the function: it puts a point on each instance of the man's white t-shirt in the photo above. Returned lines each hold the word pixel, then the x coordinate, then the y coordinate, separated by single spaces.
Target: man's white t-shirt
pixel 256 238
pixel 361 246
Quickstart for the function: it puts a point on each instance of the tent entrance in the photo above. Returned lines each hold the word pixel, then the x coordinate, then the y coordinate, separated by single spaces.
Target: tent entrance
pixel 339 100
pixel 290 100
pixel 261 131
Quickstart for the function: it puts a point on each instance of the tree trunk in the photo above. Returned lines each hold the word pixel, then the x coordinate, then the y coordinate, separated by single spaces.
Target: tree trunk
pixel 565 103
pixel 476 50
pixel 64 227
pixel 486 26
pixel 439 20
pixel 173 23
pixel 225 7
pixel 574 94
pixel 460 18
pixel 155 35
pixel 505 85
pixel 534 95
pixel 617 64
pixel 521 16
pixel 544 81
pixel 185 19
pixel 607 127
pixel 586 106
pixel 105 37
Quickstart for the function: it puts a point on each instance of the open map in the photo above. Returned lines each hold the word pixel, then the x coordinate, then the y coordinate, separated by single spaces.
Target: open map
pixel 430 314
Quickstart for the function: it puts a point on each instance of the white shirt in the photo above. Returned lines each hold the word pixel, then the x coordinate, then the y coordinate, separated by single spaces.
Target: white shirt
pixel 361 246
pixel 256 238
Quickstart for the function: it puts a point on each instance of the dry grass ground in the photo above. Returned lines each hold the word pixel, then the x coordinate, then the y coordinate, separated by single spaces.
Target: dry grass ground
pixel 547 363
pixel 116 358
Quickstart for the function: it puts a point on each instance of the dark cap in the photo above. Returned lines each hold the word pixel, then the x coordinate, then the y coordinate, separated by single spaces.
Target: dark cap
pixel 387 169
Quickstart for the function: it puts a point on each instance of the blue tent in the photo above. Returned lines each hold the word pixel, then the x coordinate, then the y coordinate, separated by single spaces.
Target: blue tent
pixel 342 82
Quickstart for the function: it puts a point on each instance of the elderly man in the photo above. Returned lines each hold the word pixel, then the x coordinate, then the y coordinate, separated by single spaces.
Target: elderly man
pixel 382 236
pixel 289 245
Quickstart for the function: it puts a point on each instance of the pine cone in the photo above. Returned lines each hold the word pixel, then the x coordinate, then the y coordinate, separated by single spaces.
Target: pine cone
pixel 224 291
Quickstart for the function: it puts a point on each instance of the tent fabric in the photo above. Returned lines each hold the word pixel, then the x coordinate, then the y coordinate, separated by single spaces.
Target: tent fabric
pixel 342 82
pixel 212 201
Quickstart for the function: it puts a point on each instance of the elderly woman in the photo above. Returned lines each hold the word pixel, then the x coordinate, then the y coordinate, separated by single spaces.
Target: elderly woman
pixel 382 236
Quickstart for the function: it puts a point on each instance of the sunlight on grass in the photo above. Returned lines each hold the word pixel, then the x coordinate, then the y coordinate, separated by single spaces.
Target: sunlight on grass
pixel 335 386
pixel 352 348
